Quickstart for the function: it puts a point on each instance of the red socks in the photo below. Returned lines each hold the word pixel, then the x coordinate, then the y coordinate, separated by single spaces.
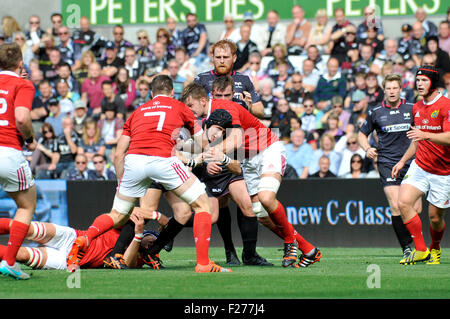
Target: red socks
pixel 279 218
pixel 436 237
pixel 414 226
pixel 302 244
pixel 4 225
pixel 202 236
pixel 2 251
pixel 17 234
pixel 101 224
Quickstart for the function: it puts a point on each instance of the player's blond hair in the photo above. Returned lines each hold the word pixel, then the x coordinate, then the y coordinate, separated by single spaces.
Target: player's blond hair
pixel 393 78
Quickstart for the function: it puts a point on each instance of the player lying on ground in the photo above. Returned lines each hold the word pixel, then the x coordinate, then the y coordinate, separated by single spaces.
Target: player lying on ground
pixel 263 167
pixel 55 242
pixel 430 170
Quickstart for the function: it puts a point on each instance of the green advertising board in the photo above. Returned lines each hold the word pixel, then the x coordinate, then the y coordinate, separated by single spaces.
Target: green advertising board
pixel 108 12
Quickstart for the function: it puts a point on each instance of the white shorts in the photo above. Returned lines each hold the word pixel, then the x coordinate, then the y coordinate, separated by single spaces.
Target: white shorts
pixel 437 186
pixel 270 160
pixel 141 170
pixel 15 173
pixel 59 247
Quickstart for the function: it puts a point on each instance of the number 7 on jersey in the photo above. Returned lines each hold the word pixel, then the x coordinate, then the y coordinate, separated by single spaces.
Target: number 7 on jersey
pixel 162 117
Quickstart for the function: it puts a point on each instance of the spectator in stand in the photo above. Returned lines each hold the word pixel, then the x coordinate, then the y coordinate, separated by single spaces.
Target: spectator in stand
pixel 310 74
pixel 313 54
pixel 444 36
pixel 87 39
pixel 55 117
pixel 400 68
pixel 374 92
pixel 297 32
pixel 101 172
pixel 270 34
pixel 91 89
pixel 417 43
pixel 81 74
pixel 34 33
pixel 311 117
pixel 281 78
pixel 365 60
pixel 230 32
pixel 66 150
pixel 299 153
pixel 27 53
pixel 175 34
pixel 158 63
pixel 111 62
pixel 320 33
pixel 178 81
pixel 442 58
pixel 268 100
pixel 163 37
pixel 57 22
pixel 119 42
pixel 295 93
pixel 187 68
pixel 144 48
pixel 91 142
pixel 66 97
pixel 80 116
pixel 332 126
pixel 446 80
pixel 324 169
pixel 42 155
pixel 343 36
pixel 245 47
pixel 42 50
pixel 9 27
pixel 347 154
pixel 326 148
pixel 281 119
pixel 404 46
pixel 337 108
pixel 359 109
pixel 80 171
pixel 370 20
pixel 70 51
pixel 64 72
pixel 195 39
pixel 40 104
pixel 110 128
pixel 279 55
pixel 143 94
pixel 112 99
pixel 356 167
pixel 391 52
pixel 124 87
pixel 330 85
pixel 429 27
pixel 254 71
pixel 50 70
pixel 133 65
pixel 372 40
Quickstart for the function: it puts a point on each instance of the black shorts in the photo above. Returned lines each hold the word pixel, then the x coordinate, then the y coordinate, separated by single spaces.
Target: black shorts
pixel 156 185
pixel 219 187
pixel 385 171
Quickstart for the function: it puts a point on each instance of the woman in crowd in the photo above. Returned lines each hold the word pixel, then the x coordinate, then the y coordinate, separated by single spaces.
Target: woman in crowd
pixel 320 33
pixel 91 142
pixel 42 157
pixel 125 87
pixel 81 73
pixel 356 166
pixel 326 147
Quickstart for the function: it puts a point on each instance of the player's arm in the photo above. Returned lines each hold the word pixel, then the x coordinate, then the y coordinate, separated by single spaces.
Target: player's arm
pixel 257 109
pixel 131 253
pixel 119 157
pixel 217 158
pixel 363 141
pixel 189 160
pixel 23 122
pixel 416 135
pixel 232 142
pixel 410 152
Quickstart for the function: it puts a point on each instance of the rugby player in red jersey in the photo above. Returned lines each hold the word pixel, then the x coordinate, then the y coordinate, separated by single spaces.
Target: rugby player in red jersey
pixel 263 166
pixel 145 153
pixel 430 170
pixel 16 97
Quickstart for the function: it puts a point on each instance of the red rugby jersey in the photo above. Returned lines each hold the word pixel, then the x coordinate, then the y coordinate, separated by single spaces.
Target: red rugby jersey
pixel 257 137
pixel 14 92
pixel 154 126
pixel 433 117
pixel 99 248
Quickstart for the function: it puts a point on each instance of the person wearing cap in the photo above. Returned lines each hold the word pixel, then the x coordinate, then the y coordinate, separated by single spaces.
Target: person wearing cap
pixel 80 116
pixel 55 116
pixel 249 19
pixel 111 62
pixel 270 34
pixel 359 108
pixel 429 172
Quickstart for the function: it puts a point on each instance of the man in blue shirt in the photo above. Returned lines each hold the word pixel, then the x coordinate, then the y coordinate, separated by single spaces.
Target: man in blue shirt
pixel 299 153
pixel 195 39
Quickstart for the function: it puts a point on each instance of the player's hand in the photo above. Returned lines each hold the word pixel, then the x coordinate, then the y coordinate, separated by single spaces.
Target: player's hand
pixel 138 220
pixel 24 74
pixel 213 168
pixel 51 167
pixel 247 98
pixel 213 155
pixel 417 135
pixel 199 158
pixel 397 168
pixel 372 153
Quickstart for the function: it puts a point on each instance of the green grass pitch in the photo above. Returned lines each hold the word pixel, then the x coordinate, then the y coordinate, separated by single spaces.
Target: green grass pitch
pixel 343 273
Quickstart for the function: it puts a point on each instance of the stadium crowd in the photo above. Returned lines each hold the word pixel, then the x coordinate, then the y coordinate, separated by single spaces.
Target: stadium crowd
pixel 316 80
